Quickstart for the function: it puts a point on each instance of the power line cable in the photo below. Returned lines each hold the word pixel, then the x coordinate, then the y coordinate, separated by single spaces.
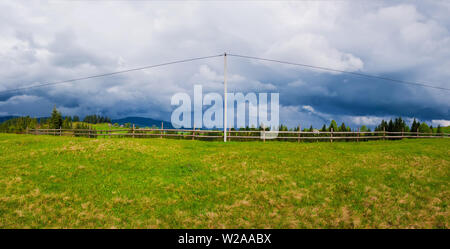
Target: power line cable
pixel 108 74
pixel 235 55
pixel 343 71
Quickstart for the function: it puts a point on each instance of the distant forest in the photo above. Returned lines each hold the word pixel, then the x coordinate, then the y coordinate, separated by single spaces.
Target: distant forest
pixel 56 121
pixel 396 125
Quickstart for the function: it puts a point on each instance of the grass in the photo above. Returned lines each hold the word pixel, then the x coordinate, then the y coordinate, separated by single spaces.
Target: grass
pixel 101 126
pixel 105 126
pixel 443 129
pixel 66 182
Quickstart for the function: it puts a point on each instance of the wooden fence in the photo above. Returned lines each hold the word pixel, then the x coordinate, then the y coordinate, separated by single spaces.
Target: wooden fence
pixel 237 135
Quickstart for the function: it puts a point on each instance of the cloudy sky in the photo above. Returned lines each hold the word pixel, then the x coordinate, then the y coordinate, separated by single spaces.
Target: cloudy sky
pixel 46 41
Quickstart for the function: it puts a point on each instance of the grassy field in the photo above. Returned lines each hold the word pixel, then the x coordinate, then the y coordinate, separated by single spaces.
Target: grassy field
pixel 102 126
pixel 65 182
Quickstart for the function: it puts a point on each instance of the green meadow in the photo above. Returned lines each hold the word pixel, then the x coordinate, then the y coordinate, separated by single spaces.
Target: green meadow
pixel 75 182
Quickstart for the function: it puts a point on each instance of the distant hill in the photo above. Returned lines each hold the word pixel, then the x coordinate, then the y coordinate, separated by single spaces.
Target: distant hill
pixel 143 122
pixel 4 118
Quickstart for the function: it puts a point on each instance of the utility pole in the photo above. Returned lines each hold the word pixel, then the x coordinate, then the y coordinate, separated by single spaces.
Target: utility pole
pixel 225 96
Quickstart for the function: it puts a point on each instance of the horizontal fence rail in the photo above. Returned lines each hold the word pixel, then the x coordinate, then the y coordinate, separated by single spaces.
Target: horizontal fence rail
pixel 237 135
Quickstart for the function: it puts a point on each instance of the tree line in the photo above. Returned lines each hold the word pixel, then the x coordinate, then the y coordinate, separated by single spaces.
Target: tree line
pixel 396 125
pixel 55 121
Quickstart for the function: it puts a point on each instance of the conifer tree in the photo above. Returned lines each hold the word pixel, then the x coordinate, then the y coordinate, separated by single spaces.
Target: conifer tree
pixel 383 125
pixel 55 119
pixel 67 123
pixel 415 125
pixel 343 127
pixel 390 126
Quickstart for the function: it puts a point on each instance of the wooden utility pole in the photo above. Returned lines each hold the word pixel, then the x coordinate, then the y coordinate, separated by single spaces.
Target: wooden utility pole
pixel 225 96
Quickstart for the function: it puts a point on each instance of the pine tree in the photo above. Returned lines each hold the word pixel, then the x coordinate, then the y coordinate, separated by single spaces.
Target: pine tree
pixel 55 119
pixel 95 119
pixel 67 123
pixel 399 125
pixel 343 127
pixel 415 125
pixel 383 126
pixel 390 126
pixel 283 127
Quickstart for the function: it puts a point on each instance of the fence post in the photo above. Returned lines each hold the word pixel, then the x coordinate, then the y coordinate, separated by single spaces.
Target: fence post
pixel 228 135
pixel 27 130
pixel 193 133
pixel 264 133
pixel 357 139
pixel 331 137
pixel 162 127
pixel 109 132
pixel 402 133
pixel 133 130
pixel 299 133
pixel 384 133
pixel 417 132
pixel 60 131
